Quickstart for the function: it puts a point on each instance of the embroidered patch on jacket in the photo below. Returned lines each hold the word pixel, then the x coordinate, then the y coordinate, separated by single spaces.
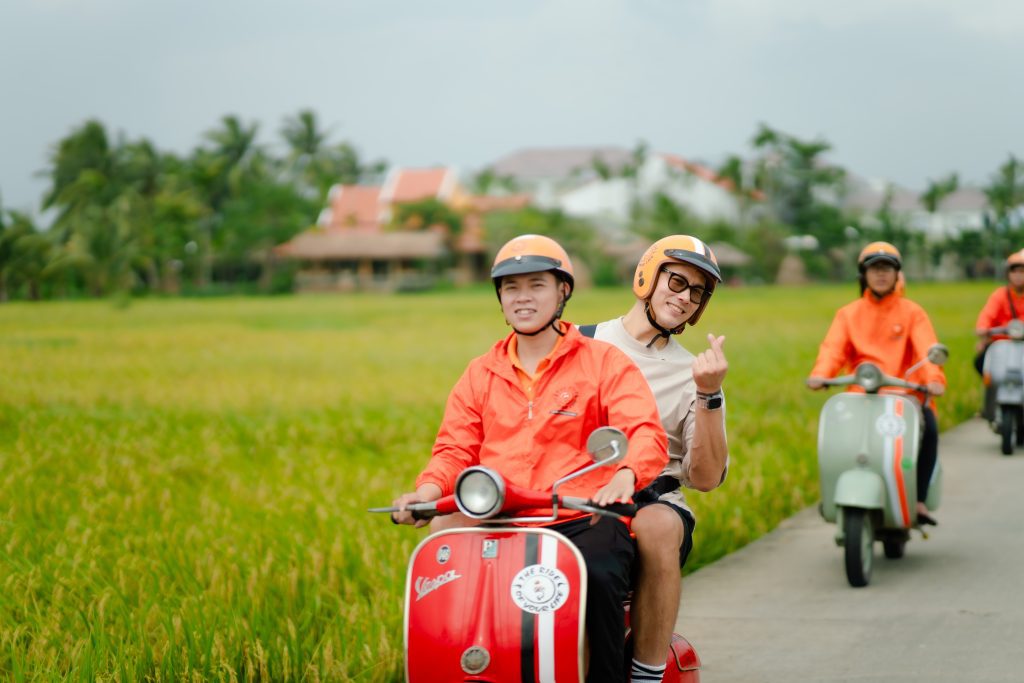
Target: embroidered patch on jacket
pixel 564 399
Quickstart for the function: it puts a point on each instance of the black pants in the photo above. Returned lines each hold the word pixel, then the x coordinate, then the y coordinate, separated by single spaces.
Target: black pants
pixel 979 360
pixel 927 454
pixel 608 552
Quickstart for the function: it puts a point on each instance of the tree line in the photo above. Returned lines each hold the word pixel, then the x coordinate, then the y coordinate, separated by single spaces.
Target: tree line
pixel 130 218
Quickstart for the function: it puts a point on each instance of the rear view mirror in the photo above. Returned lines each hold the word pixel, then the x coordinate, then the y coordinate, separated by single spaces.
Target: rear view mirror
pixel 607 445
pixel 938 354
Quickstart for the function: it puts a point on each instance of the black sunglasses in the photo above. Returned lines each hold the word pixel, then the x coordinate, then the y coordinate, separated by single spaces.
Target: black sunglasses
pixel 679 284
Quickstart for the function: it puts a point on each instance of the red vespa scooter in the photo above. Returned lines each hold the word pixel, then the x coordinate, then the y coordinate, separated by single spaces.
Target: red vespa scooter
pixel 496 602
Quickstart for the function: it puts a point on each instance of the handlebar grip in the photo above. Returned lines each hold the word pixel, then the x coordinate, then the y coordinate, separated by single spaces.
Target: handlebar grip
pixel 617 509
pixel 423 514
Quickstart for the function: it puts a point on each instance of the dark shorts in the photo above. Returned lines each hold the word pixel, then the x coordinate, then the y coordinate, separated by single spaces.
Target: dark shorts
pixel 652 496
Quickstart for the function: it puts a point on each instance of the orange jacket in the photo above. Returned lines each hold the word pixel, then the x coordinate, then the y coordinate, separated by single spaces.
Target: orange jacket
pixel 997 311
pixel 490 421
pixel 894 333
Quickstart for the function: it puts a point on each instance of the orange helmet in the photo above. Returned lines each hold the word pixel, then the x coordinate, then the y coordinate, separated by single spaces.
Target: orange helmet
pixel 1015 259
pixel 879 252
pixel 676 249
pixel 532 254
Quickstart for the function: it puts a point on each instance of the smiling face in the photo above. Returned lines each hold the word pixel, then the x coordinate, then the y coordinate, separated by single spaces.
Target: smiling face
pixel 671 308
pixel 881 278
pixel 530 300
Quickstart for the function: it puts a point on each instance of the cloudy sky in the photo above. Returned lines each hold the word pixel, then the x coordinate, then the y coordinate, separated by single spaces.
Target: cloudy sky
pixel 907 90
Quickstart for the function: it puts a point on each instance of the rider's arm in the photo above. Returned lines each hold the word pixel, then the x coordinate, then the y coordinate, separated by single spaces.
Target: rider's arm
pixel 707 449
pixel 835 350
pixel 994 313
pixel 457 445
pixel 922 337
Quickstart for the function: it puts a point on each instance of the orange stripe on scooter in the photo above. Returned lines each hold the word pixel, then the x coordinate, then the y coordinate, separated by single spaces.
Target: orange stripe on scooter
pixel 897 463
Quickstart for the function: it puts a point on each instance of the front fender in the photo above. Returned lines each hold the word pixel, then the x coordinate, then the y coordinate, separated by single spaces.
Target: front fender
pixel 860 489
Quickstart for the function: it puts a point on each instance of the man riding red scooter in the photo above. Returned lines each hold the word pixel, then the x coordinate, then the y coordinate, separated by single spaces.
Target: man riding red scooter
pixel 525 410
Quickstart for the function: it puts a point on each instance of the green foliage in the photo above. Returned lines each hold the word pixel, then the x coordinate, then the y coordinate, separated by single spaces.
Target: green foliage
pixel 184 481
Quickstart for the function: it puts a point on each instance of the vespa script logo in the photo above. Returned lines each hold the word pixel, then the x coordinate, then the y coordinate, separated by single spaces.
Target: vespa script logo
pixel 538 589
pixel 424 586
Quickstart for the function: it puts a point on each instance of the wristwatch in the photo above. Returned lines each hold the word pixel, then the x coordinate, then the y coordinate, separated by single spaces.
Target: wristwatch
pixel 711 401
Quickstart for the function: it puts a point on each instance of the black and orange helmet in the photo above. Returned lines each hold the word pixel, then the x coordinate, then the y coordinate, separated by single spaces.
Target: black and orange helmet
pixel 879 252
pixel 532 254
pixel 676 249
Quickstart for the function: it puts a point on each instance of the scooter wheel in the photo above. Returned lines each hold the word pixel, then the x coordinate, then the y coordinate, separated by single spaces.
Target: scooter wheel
pixel 859 540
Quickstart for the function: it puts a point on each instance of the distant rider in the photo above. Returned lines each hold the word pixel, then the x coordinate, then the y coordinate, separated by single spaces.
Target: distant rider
pixel 893 332
pixel 1006 303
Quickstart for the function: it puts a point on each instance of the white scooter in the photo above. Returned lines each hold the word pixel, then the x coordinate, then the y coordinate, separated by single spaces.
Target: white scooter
pixel 1003 374
pixel 867 462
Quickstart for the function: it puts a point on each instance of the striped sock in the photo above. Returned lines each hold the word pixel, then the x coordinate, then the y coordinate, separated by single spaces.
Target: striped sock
pixel 646 673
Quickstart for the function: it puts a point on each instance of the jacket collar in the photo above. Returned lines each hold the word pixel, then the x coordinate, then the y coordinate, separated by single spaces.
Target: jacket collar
pixel 498 361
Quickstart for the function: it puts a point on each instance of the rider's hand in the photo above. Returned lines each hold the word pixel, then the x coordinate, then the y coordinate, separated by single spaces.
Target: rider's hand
pixel 709 367
pixel 936 388
pixel 816 383
pixel 618 490
pixel 422 495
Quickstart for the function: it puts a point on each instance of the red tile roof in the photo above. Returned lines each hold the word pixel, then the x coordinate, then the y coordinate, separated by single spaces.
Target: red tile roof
pixel 354 206
pixel 413 184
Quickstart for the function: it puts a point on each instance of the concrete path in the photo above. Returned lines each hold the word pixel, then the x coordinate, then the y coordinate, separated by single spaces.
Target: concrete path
pixel 952 609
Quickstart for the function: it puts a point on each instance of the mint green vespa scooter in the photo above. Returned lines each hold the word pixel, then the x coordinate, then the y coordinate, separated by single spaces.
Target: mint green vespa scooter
pixel 867 463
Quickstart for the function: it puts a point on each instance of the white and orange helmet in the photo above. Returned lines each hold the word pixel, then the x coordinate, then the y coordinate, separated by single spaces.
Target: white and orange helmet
pixel 676 249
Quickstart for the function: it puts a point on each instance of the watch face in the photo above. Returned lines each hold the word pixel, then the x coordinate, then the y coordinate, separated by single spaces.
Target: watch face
pixel 714 403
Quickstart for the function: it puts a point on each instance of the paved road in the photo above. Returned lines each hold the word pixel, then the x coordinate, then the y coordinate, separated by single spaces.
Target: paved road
pixel 952 609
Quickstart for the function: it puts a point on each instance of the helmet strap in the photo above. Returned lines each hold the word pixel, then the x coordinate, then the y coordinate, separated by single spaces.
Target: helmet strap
pixel 662 331
pixel 553 323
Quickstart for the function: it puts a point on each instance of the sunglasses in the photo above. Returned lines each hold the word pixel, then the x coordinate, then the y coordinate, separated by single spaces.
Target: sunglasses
pixel 679 284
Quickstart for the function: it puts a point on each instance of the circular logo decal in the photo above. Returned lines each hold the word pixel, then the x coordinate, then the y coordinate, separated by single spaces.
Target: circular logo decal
pixel 538 589
pixel 890 425
pixel 443 553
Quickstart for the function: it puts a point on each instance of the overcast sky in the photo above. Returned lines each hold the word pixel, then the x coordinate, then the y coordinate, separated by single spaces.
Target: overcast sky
pixel 907 90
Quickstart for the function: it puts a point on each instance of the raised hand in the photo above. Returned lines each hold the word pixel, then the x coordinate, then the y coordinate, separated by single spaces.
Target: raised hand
pixel 709 367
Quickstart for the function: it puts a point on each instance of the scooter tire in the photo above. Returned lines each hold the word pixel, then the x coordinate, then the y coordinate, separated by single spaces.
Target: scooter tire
pixel 1019 413
pixel 1006 420
pixel 858 540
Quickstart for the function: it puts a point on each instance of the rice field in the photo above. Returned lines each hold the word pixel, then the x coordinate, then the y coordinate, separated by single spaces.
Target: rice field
pixel 183 482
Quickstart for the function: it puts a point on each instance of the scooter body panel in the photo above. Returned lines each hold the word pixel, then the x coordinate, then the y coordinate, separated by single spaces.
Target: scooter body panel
pixel 1004 362
pixel 860 488
pixel 877 434
pixel 495 604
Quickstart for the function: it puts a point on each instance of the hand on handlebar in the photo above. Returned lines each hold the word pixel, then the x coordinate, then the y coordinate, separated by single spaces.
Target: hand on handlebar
pixel 936 388
pixel 815 383
pixel 424 494
pixel 618 490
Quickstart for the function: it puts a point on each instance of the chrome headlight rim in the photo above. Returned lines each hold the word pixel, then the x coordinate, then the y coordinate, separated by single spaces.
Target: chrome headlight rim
pixel 479 492
pixel 869 377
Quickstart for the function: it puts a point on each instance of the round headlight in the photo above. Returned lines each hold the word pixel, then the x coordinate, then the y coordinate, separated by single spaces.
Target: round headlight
pixel 479 492
pixel 869 377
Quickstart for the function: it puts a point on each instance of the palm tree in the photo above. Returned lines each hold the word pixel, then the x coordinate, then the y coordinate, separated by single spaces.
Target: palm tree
pixel 24 253
pixel 1005 192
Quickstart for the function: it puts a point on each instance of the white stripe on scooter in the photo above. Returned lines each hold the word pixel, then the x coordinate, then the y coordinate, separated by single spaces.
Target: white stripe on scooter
pixel 546 620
